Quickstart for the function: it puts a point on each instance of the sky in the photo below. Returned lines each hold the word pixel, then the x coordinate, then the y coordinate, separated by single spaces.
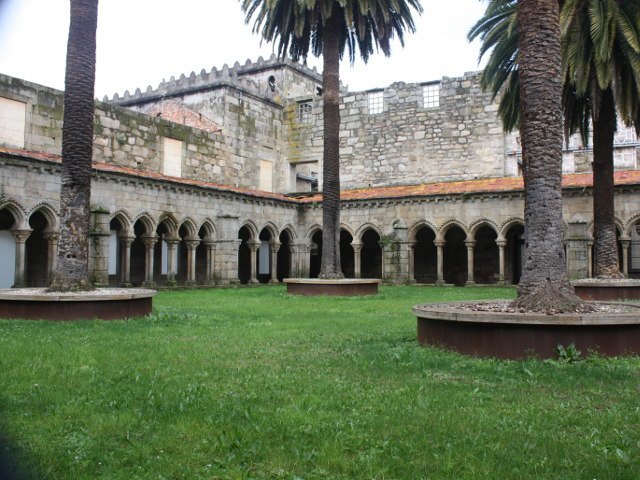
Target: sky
pixel 142 42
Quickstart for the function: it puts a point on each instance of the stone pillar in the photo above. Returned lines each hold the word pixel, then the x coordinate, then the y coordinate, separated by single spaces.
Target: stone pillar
pixel 172 247
pixel 192 244
pixel 624 243
pixel 470 250
pixel 303 260
pixel 253 248
pixel 357 258
pixel 501 246
pixel 274 247
pixel 20 237
pixel 399 268
pixel 125 259
pixel 440 261
pixel 577 256
pixel 99 255
pixel 52 254
pixel 590 259
pixel 149 244
pixel 411 274
pixel 210 245
pixel 295 261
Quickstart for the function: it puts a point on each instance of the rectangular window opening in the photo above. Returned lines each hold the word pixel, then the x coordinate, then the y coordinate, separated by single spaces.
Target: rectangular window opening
pixel 305 110
pixel 376 102
pixel 431 95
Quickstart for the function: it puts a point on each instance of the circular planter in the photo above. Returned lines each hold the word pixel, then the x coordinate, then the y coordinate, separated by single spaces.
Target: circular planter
pixel 606 290
pixel 521 335
pixel 347 287
pixel 106 304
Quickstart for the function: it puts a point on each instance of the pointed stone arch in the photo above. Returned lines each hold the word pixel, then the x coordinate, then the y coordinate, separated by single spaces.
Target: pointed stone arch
pixel 482 222
pixel 252 227
pixel 146 220
pixel 363 228
pixel 417 226
pixel 49 213
pixel 208 227
pixel 189 225
pixel 446 226
pixel 18 213
pixel 508 224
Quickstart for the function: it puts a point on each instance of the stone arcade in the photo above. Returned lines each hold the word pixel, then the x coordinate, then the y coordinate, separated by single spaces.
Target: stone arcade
pixel 213 178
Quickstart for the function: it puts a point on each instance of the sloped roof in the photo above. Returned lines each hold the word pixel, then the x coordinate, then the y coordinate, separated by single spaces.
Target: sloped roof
pixel 486 185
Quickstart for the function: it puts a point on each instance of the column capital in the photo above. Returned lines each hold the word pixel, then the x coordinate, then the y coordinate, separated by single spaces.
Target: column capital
pixel 149 240
pixel 192 243
pixel 51 236
pixel 357 246
pixel 274 246
pixel 126 239
pixel 440 243
pixel 253 245
pixel 470 243
pixel 501 243
pixel 625 243
pixel 21 236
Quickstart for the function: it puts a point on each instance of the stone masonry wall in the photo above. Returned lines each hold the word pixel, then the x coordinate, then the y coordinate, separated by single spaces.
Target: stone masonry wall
pixel 407 143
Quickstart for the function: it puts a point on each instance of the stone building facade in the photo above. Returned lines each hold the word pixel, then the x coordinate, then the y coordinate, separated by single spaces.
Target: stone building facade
pixel 211 179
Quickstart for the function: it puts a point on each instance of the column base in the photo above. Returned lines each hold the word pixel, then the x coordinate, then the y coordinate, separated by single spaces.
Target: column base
pixel 274 281
pixel 253 281
pixel 126 284
pixel 470 283
pixel 171 283
pixel 149 284
pixel 440 283
pixel 190 283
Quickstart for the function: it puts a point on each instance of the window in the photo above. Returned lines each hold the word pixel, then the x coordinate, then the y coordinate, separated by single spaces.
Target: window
pixel 305 110
pixel 266 175
pixel 376 102
pixel 172 157
pixel 13 117
pixel 431 95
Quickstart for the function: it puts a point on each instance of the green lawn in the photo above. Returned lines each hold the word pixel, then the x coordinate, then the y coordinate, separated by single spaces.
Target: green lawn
pixel 253 383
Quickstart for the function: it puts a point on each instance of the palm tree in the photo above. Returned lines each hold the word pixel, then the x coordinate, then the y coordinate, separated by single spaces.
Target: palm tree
pixel 601 71
pixel 544 284
pixel 72 272
pixel 328 27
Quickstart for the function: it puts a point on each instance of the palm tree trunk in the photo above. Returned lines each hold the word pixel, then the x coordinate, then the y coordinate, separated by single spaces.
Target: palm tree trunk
pixel 330 267
pixel 77 144
pixel 544 281
pixel 604 228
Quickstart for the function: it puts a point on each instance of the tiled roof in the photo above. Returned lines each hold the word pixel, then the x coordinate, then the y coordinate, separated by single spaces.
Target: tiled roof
pixel 487 185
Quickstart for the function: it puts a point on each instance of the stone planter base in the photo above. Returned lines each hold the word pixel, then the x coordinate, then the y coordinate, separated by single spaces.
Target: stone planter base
pixel 105 304
pixel 521 335
pixel 601 290
pixel 346 287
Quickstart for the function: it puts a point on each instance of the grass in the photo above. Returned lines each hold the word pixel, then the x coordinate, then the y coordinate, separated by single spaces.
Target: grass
pixel 255 384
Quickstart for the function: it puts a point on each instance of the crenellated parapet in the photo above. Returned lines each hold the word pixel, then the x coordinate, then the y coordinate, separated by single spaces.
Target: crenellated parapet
pixel 245 77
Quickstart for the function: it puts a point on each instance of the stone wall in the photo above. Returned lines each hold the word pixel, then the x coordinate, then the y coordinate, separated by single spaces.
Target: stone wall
pixel 407 143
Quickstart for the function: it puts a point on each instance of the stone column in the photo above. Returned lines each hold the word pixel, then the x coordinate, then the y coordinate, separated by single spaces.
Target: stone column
pixel 192 245
pixel 99 256
pixel 590 259
pixel 411 274
pixel 624 243
pixel 357 258
pixel 211 261
pixel 20 237
pixel 172 247
pixel 470 250
pixel 295 261
pixel 253 249
pixel 125 259
pixel 303 260
pixel 501 246
pixel 52 254
pixel 274 247
pixel 149 244
pixel 440 260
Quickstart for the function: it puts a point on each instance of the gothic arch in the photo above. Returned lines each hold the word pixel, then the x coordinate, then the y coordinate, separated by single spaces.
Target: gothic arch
pixel 620 226
pixel 124 219
pixel 147 222
pixel 49 214
pixel 311 231
pixel 18 213
pixel 506 225
pixel 251 226
pixel 363 228
pixel 442 231
pixel 417 226
pixel 482 222
pixel 348 229
pixel 291 231
pixel 209 228
pixel 169 220
pixel 271 228
pixel 631 221
pixel 190 226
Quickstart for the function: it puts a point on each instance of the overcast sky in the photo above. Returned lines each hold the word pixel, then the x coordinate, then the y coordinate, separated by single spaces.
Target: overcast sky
pixel 140 42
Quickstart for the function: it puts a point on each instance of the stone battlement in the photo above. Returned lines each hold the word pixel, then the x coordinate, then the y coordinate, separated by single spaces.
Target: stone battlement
pixel 206 80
